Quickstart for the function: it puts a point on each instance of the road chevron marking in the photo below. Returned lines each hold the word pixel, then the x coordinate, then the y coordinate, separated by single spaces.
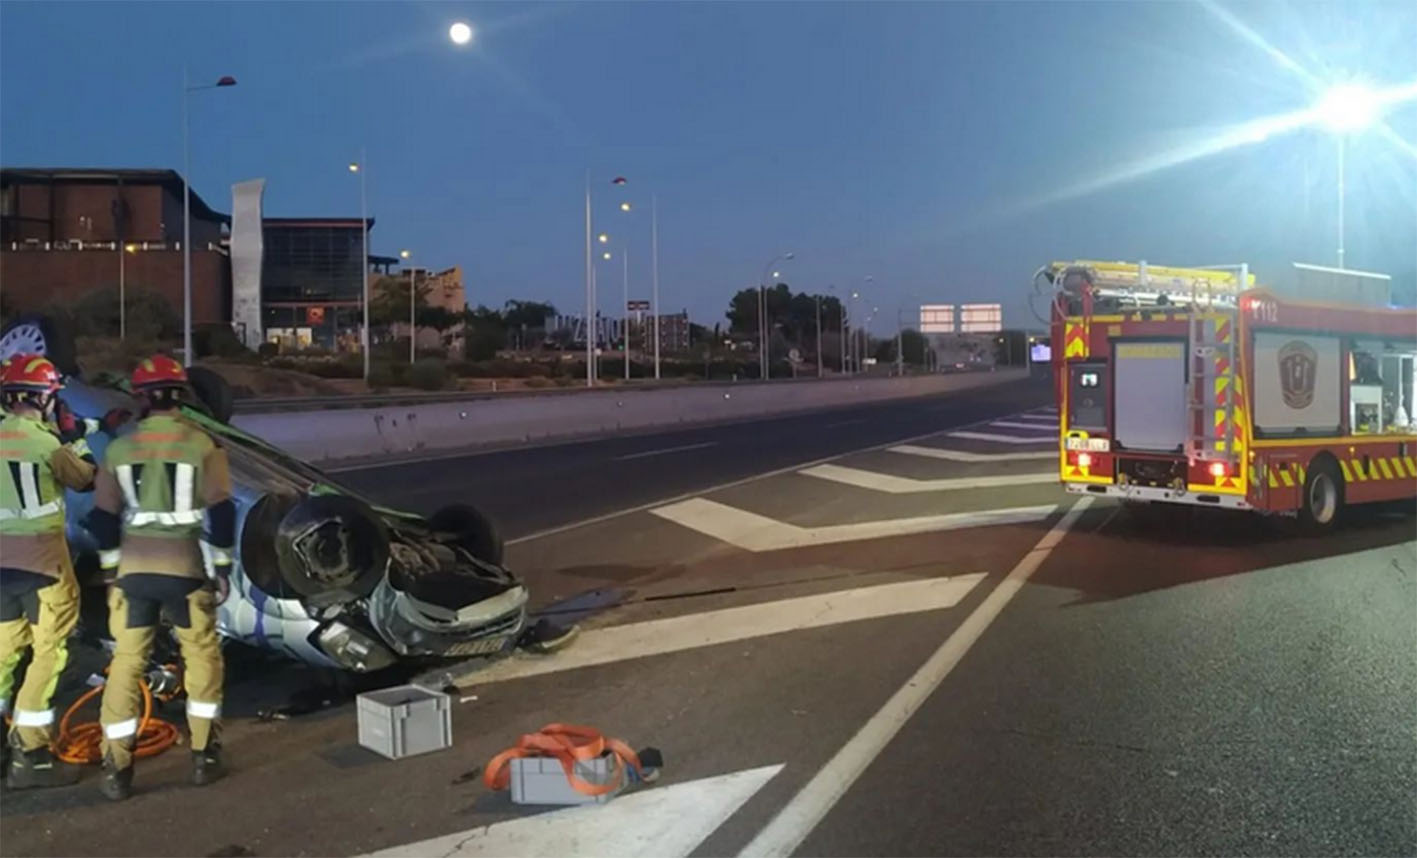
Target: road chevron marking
pixel 965 456
pixel 1037 427
pixel 657 820
pixel 726 625
pixel 796 820
pixel 908 485
pixel 753 532
pixel 1005 439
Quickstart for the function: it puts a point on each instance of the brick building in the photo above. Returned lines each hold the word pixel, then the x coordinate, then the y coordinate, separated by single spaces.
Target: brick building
pixel 65 232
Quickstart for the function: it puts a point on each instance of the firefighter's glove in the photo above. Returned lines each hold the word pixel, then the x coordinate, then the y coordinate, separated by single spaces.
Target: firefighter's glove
pixel 70 427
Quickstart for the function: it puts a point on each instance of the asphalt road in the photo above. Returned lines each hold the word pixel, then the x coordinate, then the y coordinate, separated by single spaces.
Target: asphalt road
pixel 918 649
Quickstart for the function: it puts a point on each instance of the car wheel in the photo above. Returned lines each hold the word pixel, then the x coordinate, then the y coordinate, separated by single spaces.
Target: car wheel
pixel 38 334
pixel 332 547
pixel 213 391
pixel 1322 501
pixel 472 530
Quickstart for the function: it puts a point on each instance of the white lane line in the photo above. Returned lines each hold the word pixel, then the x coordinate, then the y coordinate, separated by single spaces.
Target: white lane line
pixel 908 485
pixel 1004 439
pixel 709 628
pixel 668 820
pixel 1037 427
pixel 667 450
pixel 810 806
pixel 753 532
pixel 966 456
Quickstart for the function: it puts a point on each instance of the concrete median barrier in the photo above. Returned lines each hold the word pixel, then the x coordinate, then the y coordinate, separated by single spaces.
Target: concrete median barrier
pixel 396 430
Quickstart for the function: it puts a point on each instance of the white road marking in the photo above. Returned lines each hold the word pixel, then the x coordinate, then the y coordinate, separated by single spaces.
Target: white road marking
pixel 1037 427
pixel 966 456
pixel 710 628
pixel 1004 439
pixel 809 807
pixel 907 485
pixel 667 820
pixel 666 451
pixel 753 532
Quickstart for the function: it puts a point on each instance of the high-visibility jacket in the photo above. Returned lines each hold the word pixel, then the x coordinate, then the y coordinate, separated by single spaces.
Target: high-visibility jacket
pixel 163 478
pixel 36 469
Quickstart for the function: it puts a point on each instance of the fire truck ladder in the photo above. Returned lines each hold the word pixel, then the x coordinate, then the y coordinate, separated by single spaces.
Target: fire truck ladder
pixel 1212 389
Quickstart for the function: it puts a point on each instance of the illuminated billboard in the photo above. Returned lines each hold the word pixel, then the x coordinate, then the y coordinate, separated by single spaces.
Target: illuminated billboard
pixel 937 318
pixel 981 318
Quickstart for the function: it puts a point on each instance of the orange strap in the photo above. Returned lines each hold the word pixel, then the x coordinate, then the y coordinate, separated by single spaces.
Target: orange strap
pixel 569 744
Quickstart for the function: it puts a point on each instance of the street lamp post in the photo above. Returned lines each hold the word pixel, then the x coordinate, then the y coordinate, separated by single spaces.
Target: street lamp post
pixel 765 365
pixel 360 168
pixel 819 336
pixel 625 327
pixel 123 252
pixel 187 90
pixel 589 293
pixel 1346 109
pixel 654 268
pixel 412 306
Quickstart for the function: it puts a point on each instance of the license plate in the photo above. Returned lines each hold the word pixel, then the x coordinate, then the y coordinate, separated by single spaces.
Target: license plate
pixel 1091 445
pixel 483 646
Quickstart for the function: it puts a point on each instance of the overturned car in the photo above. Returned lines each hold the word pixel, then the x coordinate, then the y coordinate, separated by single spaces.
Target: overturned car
pixel 322 575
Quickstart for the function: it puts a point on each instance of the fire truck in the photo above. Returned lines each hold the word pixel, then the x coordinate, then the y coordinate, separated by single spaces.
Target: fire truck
pixel 1196 386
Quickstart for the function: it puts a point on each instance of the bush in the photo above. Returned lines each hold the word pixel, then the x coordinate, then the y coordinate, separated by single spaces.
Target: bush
pixel 219 341
pixel 539 381
pixel 149 316
pixel 428 374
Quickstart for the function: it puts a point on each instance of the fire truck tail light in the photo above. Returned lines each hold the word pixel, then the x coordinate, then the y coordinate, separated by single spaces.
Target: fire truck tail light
pixel 1218 469
pixel 1084 460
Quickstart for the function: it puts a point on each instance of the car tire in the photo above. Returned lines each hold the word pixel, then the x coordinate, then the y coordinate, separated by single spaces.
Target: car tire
pixel 472 530
pixel 213 391
pixel 332 547
pixel 35 333
pixel 1321 504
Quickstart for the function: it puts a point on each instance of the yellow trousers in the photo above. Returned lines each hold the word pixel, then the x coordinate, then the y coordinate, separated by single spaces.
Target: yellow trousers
pixel 203 674
pixel 33 719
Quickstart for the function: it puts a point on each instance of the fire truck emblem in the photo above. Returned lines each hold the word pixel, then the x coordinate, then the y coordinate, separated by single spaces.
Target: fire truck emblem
pixel 1298 365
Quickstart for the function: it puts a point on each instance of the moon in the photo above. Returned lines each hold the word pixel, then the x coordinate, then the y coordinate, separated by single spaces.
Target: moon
pixel 460 33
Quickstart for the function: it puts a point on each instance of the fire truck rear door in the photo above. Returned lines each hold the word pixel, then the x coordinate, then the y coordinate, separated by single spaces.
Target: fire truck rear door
pixel 1150 395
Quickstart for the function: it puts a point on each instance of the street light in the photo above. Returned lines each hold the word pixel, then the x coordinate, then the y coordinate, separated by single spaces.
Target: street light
pixel 187 90
pixel 412 305
pixel 765 366
pixel 123 290
pixel 1346 109
pixel 624 207
pixel 460 33
pixel 358 167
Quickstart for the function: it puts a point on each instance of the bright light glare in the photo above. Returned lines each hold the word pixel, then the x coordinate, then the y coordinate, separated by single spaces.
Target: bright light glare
pixel 624 207
pixel 405 254
pixel 1348 107
pixel 1217 469
pixel 604 238
pixel 1084 460
pixel 354 168
pixel 460 33
pixel 606 255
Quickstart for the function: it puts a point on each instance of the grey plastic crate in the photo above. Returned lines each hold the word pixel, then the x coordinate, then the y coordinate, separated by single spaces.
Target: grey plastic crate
pixel 405 720
pixel 541 780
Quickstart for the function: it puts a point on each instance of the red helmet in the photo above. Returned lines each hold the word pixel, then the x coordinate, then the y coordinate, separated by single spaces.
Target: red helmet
pixel 157 372
pixel 29 374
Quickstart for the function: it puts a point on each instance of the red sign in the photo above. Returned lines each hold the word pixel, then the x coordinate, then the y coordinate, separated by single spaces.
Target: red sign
pixel 314 315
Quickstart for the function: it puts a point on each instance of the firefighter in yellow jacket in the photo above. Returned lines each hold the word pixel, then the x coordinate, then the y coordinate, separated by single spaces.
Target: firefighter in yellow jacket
pixel 35 563
pixel 157 486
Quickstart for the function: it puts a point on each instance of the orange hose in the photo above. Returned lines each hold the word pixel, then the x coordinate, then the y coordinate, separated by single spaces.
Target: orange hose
pixel 82 743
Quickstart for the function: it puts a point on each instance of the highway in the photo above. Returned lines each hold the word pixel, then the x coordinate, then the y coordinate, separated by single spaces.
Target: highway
pixel 869 631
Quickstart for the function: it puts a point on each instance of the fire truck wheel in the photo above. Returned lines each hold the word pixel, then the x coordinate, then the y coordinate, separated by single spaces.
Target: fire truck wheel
pixel 1322 502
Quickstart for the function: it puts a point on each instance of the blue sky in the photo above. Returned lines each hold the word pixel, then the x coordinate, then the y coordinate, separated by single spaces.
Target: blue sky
pixel 926 145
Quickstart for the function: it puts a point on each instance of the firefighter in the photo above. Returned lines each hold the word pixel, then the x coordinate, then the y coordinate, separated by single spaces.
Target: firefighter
pixel 35 563
pixel 155 488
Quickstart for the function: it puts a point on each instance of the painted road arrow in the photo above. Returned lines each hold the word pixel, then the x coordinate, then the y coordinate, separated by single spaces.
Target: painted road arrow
pixel 664 820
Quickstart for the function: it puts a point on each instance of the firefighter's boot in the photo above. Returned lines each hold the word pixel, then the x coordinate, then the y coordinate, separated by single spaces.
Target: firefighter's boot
pixel 38 769
pixel 207 766
pixel 116 784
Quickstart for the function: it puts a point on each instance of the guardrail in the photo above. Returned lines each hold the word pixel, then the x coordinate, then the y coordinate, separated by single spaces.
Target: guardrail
pixel 412 427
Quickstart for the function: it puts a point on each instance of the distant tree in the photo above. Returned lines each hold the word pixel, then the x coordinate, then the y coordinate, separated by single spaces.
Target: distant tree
pixel 486 333
pixel 438 318
pixel 915 346
pixel 389 302
pixel 530 315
